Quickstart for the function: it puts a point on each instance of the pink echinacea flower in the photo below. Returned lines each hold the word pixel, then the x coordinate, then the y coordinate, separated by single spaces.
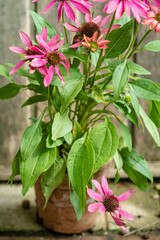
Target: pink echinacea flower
pixel 80 5
pixel 153 18
pixel 155 2
pixel 51 57
pixel 32 50
pixel 106 201
pixel 137 7
pixel 88 28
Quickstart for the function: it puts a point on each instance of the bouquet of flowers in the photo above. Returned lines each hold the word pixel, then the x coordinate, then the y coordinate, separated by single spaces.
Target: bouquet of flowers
pixel 81 83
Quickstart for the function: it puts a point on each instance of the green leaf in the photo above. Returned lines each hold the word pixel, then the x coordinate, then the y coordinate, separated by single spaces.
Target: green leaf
pixel 34 99
pixel 15 167
pixel 123 20
pixel 61 125
pixel 38 162
pixel 80 167
pixel 4 72
pixel 134 101
pixel 53 177
pixel 126 134
pixel 129 114
pixel 31 138
pixel 119 79
pixel 76 204
pixel 70 52
pixel 153 46
pixel 77 131
pixel 119 164
pixel 40 23
pixel 151 127
pixel 69 138
pixel 154 112
pixel 9 91
pixel 52 144
pixel 72 87
pixel 94 57
pixel 97 94
pixel 104 139
pixel 119 40
pixel 146 89
pixel 137 69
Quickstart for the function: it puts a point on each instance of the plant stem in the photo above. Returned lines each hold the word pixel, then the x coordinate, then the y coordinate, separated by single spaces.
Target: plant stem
pixel 133 41
pixel 65 31
pixel 139 43
pixel 49 103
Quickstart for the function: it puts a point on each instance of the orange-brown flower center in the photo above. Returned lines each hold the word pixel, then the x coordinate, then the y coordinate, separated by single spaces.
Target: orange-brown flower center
pixel 53 58
pixel 111 203
pixel 89 29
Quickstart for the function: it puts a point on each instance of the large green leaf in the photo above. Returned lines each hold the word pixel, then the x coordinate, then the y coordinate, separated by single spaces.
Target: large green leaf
pixel 38 162
pixel 40 23
pixel 146 89
pixel 34 99
pixel 80 167
pixel 72 87
pixel 15 167
pixel 53 177
pixel 119 79
pixel 61 125
pixel 9 91
pixel 119 40
pixel 151 127
pixel 154 112
pixel 76 204
pixel 153 46
pixel 31 138
pixel 104 139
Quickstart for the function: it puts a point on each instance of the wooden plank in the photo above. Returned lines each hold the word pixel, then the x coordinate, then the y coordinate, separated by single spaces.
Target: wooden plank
pixel 14 17
pixel 143 142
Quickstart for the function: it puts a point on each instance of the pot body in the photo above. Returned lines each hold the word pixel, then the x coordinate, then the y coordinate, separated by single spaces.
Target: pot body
pixel 59 215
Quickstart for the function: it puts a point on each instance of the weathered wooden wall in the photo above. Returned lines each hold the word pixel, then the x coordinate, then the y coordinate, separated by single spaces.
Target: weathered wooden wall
pixel 15 17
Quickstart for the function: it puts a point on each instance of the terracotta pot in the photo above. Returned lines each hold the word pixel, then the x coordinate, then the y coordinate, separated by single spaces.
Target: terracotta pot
pixel 59 215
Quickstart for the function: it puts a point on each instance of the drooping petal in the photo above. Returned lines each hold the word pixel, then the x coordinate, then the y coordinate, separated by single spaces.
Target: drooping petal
pixel 125 214
pixel 80 7
pixel 48 78
pixel 44 33
pixel 94 195
pixel 76 45
pixel 60 7
pixel 18 50
pixel 126 195
pixel 59 75
pixel 38 62
pixel 58 45
pixel 25 39
pixel 49 6
pixel 17 66
pixel 42 43
pixel 94 206
pixel 65 67
pixel 69 12
pixel 119 11
pixel 104 21
pixel 156 2
pixel 97 19
pixel 98 186
pixel 53 40
pixel 43 70
pixel 71 28
pixel 105 185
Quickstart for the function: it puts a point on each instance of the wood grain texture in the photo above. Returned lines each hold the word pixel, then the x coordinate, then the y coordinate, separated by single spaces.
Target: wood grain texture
pixel 13 119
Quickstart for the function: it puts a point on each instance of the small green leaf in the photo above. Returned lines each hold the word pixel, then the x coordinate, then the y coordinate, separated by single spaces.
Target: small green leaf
pixel 119 79
pixel 154 112
pixel 40 23
pixel 68 138
pixel 126 134
pixel 97 94
pixel 77 131
pixel 31 138
pixel 134 101
pixel 34 99
pixel 76 204
pixel 9 91
pixel 146 89
pixel 15 167
pixel 137 69
pixel 94 57
pixel 153 46
pixel 4 72
pixel 151 127
pixel 61 125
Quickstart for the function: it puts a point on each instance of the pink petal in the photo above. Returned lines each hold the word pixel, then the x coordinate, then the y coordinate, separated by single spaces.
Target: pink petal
pixel 43 70
pixel 157 3
pixel 111 6
pixel 58 45
pixel 76 45
pixel 25 39
pixel 48 78
pixel 97 19
pixel 80 7
pixel 88 17
pixel 69 12
pixel 104 21
pixel 94 195
pixel 53 40
pixel 98 186
pixel 125 214
pixel 105 185
pixel 49 6
pixel 59 74
pixel 37 49
pixel 60 7
pixel 65 67
pixel 94 206
pixel 44 33
pixel 119 11
pixel 43 43
pixel 70 27
pixel 18 50
pixel 17 66
pixel 126 195
pixel 34 56
pixel 157 29
pixel 38 62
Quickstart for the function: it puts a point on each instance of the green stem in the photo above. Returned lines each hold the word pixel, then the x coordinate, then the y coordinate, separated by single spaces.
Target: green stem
pixel 133 41
pixel 49 103
pixel 139 43
pixel 65 31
